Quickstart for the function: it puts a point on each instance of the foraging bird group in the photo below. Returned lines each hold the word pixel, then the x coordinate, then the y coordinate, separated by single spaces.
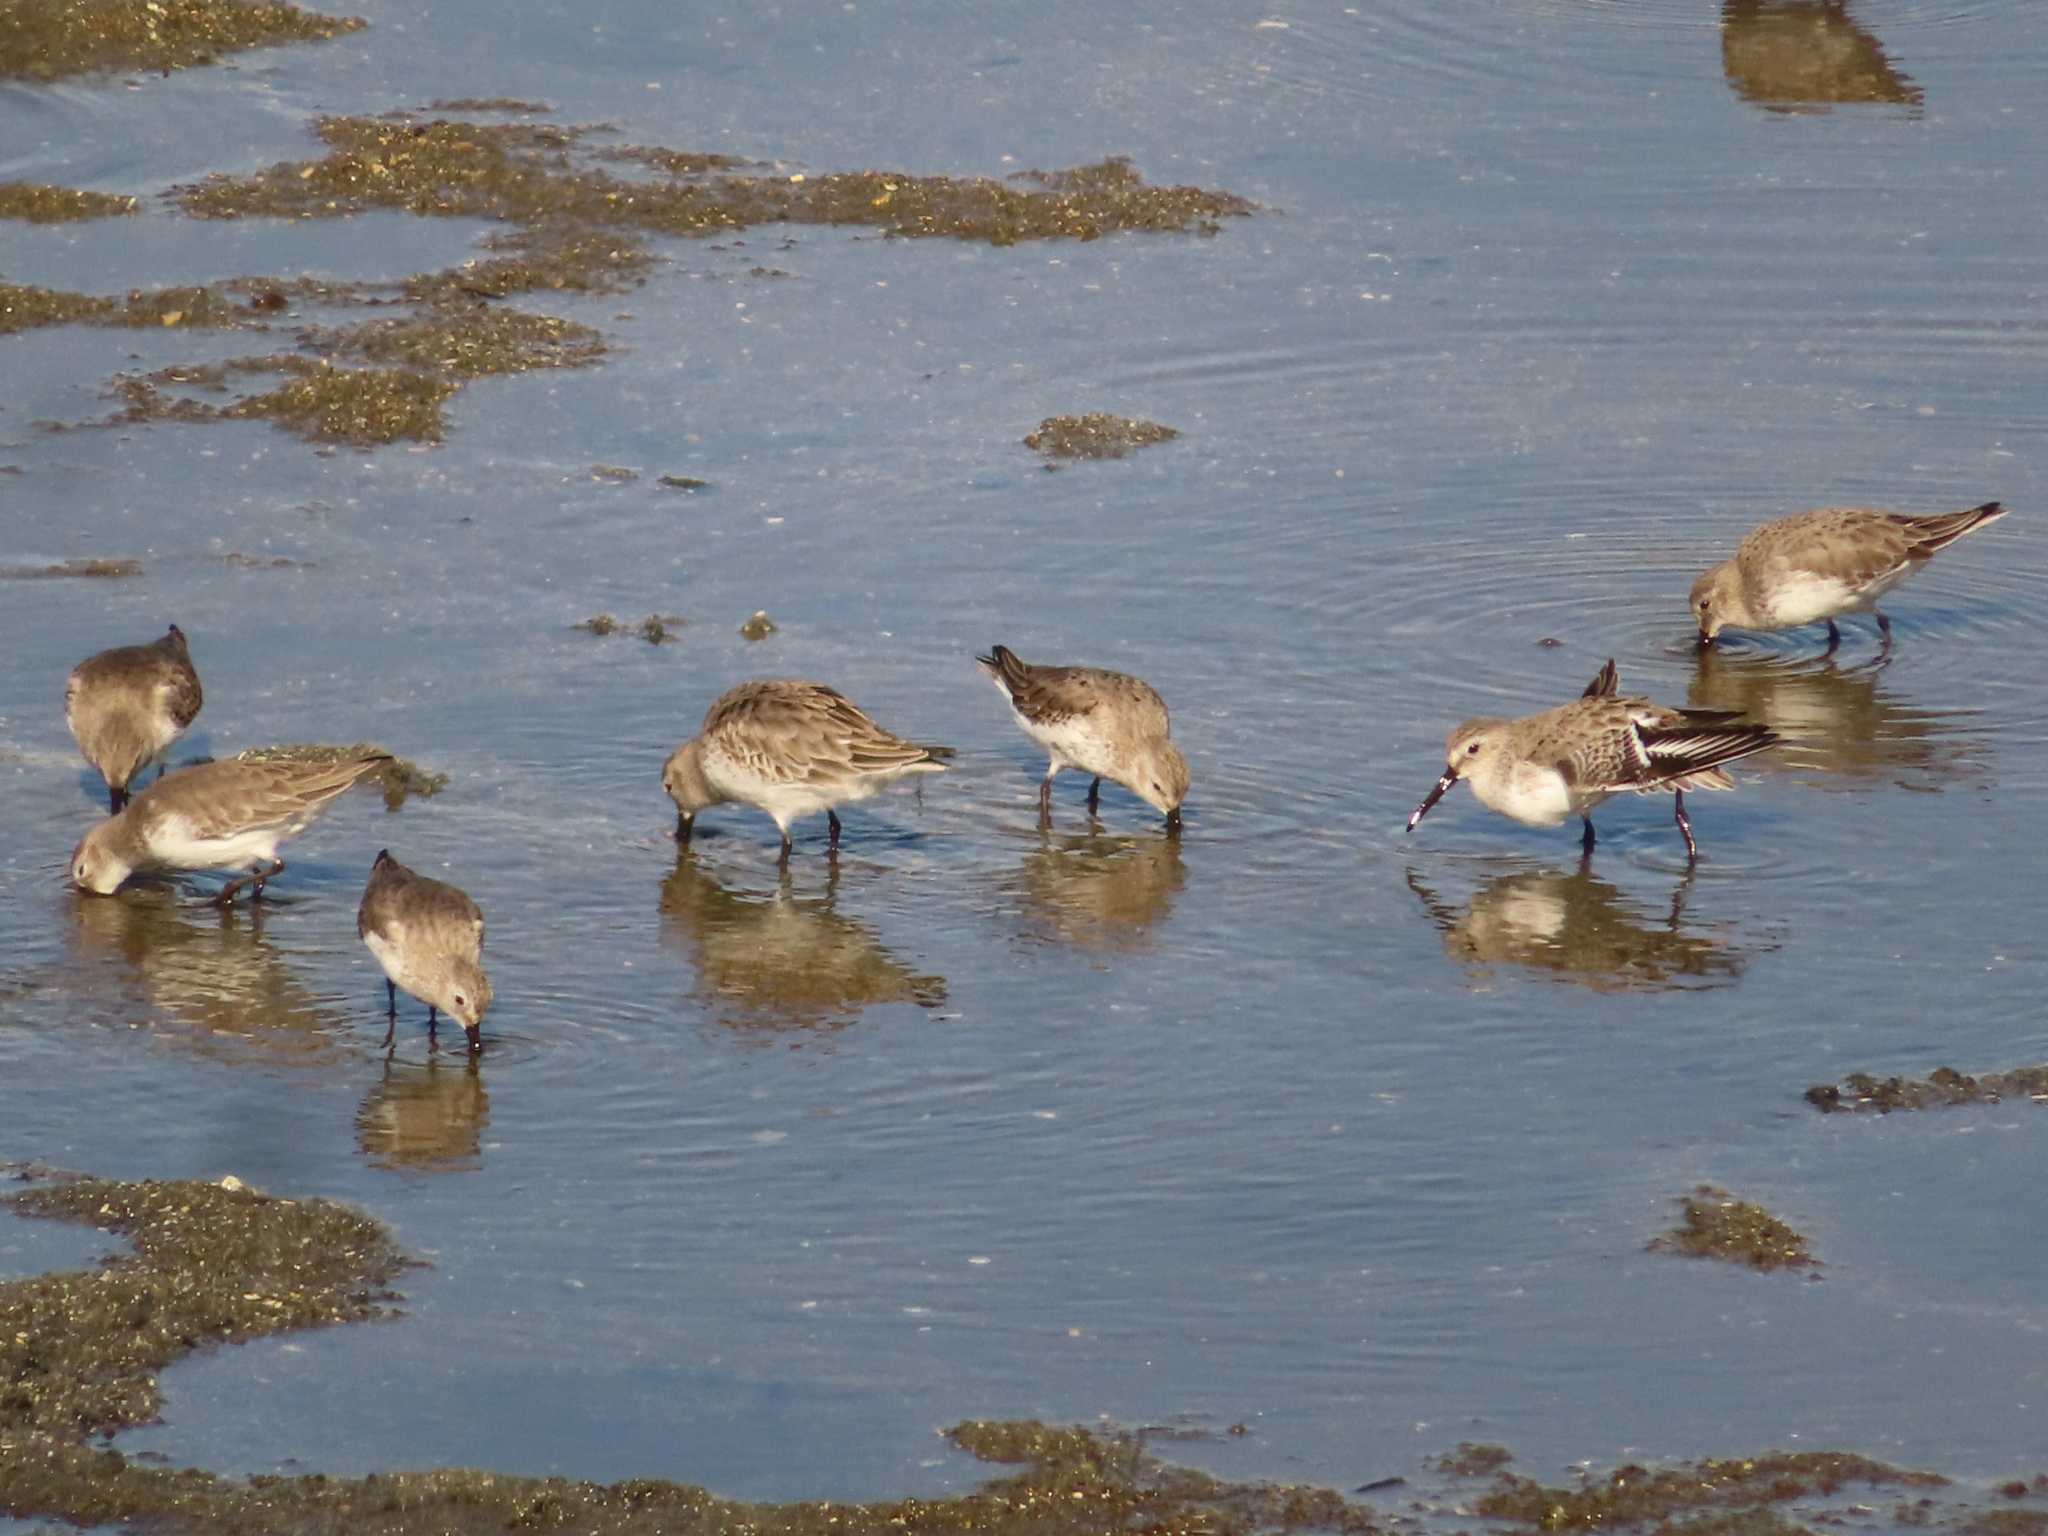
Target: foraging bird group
pixel 1813 567
pixel 792 748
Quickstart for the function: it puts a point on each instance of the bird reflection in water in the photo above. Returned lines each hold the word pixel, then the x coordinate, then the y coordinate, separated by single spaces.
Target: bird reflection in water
pixel 210 970
pixel 770 960
pixel 1806 56
pixel 1097 892
pixel 426 1118
pixel 1841 726
pixel 1575 927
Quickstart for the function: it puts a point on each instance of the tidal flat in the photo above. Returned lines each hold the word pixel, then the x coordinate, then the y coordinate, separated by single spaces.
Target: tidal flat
pixel 1296 1152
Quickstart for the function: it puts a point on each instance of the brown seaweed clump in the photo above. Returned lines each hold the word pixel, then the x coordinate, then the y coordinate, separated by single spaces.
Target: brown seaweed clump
pixel 566 221
pixel 401 777
pixel 97 570
pixel 655 629
pixel 41 204
pixel 1718 1226
pixel 1942 1088
pixel 1734 1496
pixel 80 1351
pixel 1095 436
pixel 51 39
pixel 530 174
pixel 25 308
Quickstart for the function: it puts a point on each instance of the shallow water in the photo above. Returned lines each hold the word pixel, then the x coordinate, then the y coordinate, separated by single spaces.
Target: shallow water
pixel 1350 1136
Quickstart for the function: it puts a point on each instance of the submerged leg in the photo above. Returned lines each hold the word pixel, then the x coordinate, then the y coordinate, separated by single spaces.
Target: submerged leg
pixel 257 875
pixel 1884 627
pixel 1094 796
pixel 684 821
pixel 1692 849
pixel 1586 842
pixel 783 861
pixel 1834 638
pixel 832 817
pixel 433 1028
pixel 390 1033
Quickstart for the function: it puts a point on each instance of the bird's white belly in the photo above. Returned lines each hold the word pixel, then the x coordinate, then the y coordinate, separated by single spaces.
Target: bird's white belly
pixel 175 843
pixel 391 955
pixel 1074 743
pixel 1803 598
pixel 1536 797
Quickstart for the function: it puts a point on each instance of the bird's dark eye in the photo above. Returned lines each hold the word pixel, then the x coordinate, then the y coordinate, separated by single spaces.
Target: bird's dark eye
pixel 461 1001
pixel 1472 749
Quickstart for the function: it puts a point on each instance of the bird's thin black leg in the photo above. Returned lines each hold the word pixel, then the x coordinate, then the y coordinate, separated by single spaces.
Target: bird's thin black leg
pixel 684 821
pixel 1692 849
pixel 1094 796
pixel 783 862
pixel 263 875
pixel 1586 842
pixel 390 997
pixel 1834 638
pixel 1045 795
pixel 1884 627
pixel 116 799
pixel 832 818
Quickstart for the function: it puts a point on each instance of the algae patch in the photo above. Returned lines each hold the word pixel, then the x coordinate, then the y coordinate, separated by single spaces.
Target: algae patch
pixel 52 39
pixel 94 570
pixel 40 204
pixel 80 1353
pixel 536 174
pixel 401 777
pixel 1940 1089
pixel 1716 1225
pixel 80 1350
pixel 1734 1496
pixel 572 214
pixel 655 629
pixel 1095 436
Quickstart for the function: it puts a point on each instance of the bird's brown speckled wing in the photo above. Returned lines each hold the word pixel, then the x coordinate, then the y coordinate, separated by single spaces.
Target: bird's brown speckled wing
pixel 1617 743
pixel 221 799
pixel 178 688
pixel 1050 695
pixel 403 905
pixel 1926 535
pixel 1853 545
pixel 788 731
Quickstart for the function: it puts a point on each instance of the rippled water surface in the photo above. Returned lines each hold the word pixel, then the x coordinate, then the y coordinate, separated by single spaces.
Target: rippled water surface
pixel 1350 1136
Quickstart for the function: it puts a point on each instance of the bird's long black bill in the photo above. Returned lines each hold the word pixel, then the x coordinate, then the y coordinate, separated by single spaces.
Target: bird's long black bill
pixel 1450 777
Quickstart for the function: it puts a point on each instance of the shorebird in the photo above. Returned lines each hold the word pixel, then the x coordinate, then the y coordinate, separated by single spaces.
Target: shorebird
pixel 225 815
pixel 1103 723
pixel 429 937
pixel 126 706
pixel 1542 768
pixel 1820 565
pixel 789 748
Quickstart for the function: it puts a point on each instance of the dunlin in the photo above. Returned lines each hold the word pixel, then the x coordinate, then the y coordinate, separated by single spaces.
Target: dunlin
pixel 1821 565
pixel 1103 723
pixel 789 748
pixel 225 815
pixel 127 705
pixel 429 937
pixel 1563 762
